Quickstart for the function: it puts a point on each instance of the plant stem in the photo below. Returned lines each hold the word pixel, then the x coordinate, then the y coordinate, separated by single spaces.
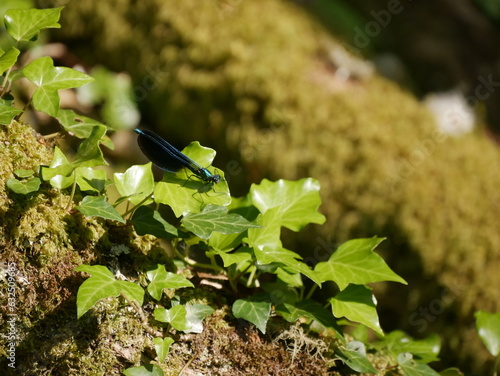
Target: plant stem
pixel 4 82
pixel 73 190
pixel 311 291
pixel 139 204
pixel 196 264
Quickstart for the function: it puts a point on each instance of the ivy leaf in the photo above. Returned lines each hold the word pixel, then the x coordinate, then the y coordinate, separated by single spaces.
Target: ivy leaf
pixel 411 368
pixel 268 235
pixel 8 59
pixel 90 179
pixel 137 182
pixel 99 207
pixel 25 24
pixel 357 303
pixel 175 316
pixel 81 126
pixel 7 113
pixel 49 80
pixel 187 194
pixel 269 255
pixel 89 153
pixel 225 243
pixel 298 201
pixel 313 311
pixel 149 221
pixel 162 346
pixel 23 173
pixel 24 188
pixel 256 312
pixel 355 262
pixel 289 277
pixel 195 314
pixel 215 219
pixel 148 370
pixel 488 328
pixel 427 349
pixel 228 259
pixel 58 181
pixel 161 279
pixel 102 284
pixel 356 360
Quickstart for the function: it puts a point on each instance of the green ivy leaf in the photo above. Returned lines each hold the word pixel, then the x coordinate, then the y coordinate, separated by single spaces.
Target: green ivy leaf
pixel 7 113
pixel 269 255
pixel 149 221
pixel 488 328
pixel 427 349
pixel 81 126
pixel 290 277
pixel 256 312
pixel 161 279
pixel 215 219
pixel 356 360
pixel 162 346
pixel 187 194
pixel 312 310
pixel 24 188
pixel 49 80
pixel 411 368
pixel 90 179
pixel 240 256
pixel 99 207
pixel 175 316
pixel 8 59
pixel 269 233
pixel 225 243
pixel 357 303
pixel 355 262
pixel 195 314
pixel 298 201
pixel 23 173
pixel 26 24
pixel 58 181
pixel 137 182
pixel 102 284
pixel 88 155
pixel 149 370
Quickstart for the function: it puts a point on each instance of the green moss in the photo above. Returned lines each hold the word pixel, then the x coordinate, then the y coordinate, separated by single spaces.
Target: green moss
pixel 43 244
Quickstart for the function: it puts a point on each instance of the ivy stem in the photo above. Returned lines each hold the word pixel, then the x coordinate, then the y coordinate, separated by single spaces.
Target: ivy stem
pixel 52 135
pixel 5 82
pixel 311 291
pixel 73 190
pixel 129 211
pixel 251 277
pixel 238 276
pixel 196 264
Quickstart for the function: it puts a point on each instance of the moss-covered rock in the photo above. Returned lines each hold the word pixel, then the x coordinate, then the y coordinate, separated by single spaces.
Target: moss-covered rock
pixel 255 79
pixel 40 247
pixel 41 244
